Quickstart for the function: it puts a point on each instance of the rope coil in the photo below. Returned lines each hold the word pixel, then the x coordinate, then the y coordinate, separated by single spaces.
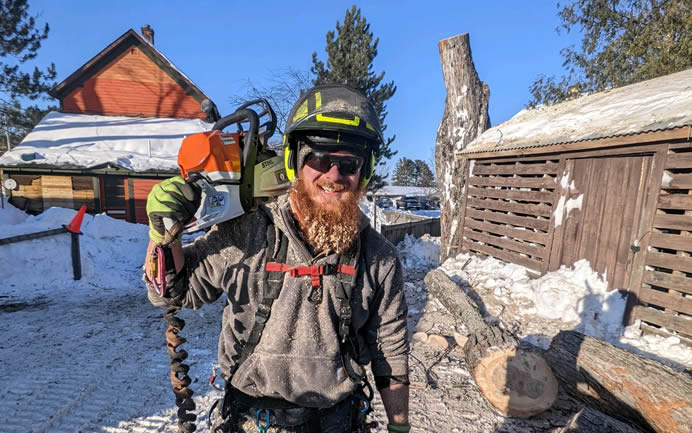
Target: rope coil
pixel 179 378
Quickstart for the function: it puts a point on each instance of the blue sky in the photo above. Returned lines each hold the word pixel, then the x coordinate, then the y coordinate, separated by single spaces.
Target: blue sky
pixel 221 44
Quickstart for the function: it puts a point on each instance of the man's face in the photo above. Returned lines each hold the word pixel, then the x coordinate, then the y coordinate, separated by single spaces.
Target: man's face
pixel 327 184
pixel 326 200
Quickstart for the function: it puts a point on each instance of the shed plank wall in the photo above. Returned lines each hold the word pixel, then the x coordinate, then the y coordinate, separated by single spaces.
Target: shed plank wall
pixel 132 85
pixel 508 210
pixel 639 195
pixel 665 292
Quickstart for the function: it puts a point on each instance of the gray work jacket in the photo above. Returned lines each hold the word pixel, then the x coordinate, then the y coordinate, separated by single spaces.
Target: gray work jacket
pixel 298 357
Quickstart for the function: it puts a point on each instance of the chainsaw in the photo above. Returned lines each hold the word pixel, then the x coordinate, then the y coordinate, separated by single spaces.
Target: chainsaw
pixel 234 171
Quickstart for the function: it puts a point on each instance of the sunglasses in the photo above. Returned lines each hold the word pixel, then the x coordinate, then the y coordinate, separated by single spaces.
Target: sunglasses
pixel 324 161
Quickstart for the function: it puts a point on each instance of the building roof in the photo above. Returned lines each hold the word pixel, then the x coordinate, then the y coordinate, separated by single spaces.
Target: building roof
pixel 85 141
pixel 414 191
pixel 660 104
pixel 128 39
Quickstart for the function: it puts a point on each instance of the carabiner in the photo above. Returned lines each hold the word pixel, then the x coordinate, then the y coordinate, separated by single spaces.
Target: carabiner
pixel 262 428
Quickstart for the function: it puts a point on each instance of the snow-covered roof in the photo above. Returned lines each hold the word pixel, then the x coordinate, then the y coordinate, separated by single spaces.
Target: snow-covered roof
pixel 416 191
pixel 84 141
pixel 659 104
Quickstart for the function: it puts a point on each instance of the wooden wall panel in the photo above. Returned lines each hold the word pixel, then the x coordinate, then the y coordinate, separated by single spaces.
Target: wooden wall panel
pixel 27 195
pixel 508 209
pixel 56 191
pixel 600 224
pixel 141 189
pixel 665 293
pixel 132 85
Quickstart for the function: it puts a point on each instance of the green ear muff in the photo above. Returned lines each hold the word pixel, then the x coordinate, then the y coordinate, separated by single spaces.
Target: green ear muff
pixel 289 160
pixel 367 175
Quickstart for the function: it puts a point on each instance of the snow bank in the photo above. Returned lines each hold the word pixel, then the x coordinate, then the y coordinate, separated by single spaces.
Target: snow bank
pixel 11 215
pixel 420 254
pixel 570 298
pixel 112 253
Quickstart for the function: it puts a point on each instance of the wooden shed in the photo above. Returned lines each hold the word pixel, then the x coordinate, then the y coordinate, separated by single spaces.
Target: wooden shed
pixel 123 116
pixel 607 178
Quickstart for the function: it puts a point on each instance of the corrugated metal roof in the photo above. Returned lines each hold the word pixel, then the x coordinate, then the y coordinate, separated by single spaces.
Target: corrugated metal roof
pixel 654 105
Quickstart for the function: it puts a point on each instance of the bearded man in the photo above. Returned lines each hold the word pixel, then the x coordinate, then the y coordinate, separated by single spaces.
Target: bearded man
pixel 313 292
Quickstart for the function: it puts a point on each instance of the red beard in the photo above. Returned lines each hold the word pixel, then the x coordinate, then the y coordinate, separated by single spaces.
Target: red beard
pixel 331 227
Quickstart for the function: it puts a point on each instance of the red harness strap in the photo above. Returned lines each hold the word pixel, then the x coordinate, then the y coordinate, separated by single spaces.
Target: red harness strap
pixel 315 271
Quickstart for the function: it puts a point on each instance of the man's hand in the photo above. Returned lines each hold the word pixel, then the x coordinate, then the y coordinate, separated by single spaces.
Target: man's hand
pixel 172 199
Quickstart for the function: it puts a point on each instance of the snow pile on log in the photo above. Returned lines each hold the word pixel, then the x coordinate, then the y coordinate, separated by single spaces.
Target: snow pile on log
pixel 571 298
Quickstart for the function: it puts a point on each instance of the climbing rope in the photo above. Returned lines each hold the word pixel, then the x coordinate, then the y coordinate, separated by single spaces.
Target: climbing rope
pixel 179 378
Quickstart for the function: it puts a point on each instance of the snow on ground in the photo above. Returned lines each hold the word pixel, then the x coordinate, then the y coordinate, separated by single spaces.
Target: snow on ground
pixel 571 298
pixel 112 254
pixel 89 355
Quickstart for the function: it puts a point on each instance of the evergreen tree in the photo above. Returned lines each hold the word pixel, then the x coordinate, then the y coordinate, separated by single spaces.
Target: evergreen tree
pixel 625 41
pixel 350 53
pixel 405 173
pixel 20 40
pixel 425 176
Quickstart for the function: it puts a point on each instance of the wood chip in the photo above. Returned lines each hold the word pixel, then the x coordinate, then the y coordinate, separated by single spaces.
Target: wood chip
pixel 460 339
pixel 438 342
pixel 421 337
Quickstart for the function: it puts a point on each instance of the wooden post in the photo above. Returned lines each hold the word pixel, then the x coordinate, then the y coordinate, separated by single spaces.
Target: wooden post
pixel 465 117
pixel 76 258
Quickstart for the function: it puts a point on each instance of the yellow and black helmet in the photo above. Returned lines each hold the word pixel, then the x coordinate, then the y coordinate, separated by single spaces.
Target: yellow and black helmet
pixel 331 118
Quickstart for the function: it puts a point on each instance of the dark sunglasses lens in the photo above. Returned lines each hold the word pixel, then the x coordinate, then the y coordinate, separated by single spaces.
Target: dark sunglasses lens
pixel 323 163
pixel 348 166
pixel 319 163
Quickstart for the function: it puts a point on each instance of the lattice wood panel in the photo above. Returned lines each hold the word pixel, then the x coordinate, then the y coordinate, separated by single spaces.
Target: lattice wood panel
pixel 665 296
pixel 508 209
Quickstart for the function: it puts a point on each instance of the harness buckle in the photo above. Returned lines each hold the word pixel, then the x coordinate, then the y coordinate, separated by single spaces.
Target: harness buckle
pixel 262 427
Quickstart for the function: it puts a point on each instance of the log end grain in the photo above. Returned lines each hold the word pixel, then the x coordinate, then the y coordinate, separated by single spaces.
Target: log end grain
pixel 516 382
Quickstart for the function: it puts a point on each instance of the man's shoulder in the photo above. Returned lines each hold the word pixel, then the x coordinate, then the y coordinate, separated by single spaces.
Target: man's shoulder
pixel 377 246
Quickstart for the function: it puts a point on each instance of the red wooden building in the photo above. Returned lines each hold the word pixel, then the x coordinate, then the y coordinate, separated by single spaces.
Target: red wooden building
pixel 123 116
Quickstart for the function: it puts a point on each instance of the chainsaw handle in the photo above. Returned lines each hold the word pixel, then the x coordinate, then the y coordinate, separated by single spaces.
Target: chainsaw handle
pixel 268 111
pixel 241 115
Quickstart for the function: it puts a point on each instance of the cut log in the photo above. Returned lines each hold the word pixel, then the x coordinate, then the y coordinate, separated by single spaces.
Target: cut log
pixel 455 300
pixel 465 117
pixel 639 391
pixel 516 382
pixel 589 420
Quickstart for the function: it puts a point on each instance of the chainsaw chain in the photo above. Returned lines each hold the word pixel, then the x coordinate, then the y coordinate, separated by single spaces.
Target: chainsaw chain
pixel 179 378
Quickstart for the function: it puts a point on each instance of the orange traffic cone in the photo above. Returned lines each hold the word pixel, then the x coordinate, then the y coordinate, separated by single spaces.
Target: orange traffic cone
pixel 76 222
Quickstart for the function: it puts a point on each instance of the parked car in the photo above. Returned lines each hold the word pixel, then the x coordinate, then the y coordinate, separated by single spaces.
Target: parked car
pixel 384 202
pixel 408 203
pixel 429 203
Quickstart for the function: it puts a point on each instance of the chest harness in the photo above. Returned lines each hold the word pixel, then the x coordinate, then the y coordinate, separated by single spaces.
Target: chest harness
pixel 275 271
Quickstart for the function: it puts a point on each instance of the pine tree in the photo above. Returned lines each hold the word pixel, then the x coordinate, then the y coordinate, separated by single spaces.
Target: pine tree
pixel 425 176
pixel 20 40
pixel 350 53
pixel 625 41
pixel 405 173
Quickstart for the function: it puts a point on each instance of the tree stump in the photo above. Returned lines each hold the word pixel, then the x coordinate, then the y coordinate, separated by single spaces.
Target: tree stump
pixel 589 420
pixel 516 382
pixel 619 383
pixel 465 117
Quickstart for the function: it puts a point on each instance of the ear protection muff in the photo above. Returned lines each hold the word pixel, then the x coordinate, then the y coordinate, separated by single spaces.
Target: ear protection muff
pixel 290 159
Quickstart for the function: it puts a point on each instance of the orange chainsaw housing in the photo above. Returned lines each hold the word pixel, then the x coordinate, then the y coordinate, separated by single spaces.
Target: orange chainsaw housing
pixel 215 154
